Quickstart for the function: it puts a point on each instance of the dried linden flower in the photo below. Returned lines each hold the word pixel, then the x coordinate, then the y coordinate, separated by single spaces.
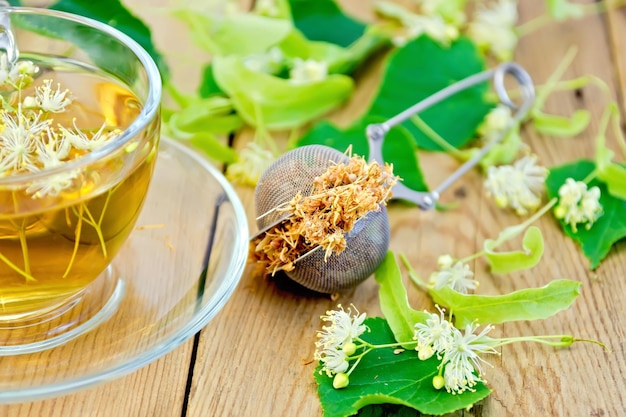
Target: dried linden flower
pixel 340 197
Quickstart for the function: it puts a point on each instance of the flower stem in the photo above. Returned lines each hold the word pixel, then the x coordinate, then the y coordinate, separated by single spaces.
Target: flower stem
pixel 559 340
pixel 17 269
pixel 555 77
pixel 435 137
pixel 358 359
pixel 472 257
pixel 587 10
pixel 24 245
pixel 412 274
pixel 97 228
pixel 77 234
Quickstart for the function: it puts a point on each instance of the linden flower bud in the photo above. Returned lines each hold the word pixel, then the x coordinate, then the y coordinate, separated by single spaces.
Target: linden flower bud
pixel 29 102
pixel 438 382
pixel 425 352
pixel 341 380
pixel 445 261
pixel 349 348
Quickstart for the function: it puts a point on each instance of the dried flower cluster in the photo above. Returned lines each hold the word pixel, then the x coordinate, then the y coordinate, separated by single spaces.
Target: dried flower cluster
pixel 340 197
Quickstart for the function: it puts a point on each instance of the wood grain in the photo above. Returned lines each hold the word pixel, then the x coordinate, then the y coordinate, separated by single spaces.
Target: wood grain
pixel 255 357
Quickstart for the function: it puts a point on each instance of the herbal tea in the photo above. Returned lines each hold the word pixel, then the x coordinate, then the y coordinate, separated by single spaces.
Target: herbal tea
pixel 59 232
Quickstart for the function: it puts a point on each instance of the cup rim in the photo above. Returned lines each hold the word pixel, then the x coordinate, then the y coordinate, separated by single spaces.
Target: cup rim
pixel 146 115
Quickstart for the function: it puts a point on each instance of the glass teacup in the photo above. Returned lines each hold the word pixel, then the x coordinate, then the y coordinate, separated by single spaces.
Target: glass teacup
pixel 79 130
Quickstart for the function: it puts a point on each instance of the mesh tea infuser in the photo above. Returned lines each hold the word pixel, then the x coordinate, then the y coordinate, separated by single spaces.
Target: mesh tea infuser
pixel 368 242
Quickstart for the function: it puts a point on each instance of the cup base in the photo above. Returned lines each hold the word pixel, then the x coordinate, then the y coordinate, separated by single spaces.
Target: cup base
pixel 75 316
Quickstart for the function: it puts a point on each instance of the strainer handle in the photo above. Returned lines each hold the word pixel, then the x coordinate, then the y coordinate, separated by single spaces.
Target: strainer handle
pixel 376 132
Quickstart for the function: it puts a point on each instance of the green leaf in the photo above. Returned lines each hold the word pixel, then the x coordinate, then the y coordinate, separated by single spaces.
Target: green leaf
pixel 213 147
pixel 213 115
pixel 527 304
pixel 506 262
pixel 339 60
pixel 383 377
pixel 614 176
pixel 421 68
pixel 387 410
pixel 398 148
pixel 394 302
pixel 323 20
pixel 208 86
pixel 265 100
pixel 113 13
pixel 240 34
pixel 608 229
pixel 549 124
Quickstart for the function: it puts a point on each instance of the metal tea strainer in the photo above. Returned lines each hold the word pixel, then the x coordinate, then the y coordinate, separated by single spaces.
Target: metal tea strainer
pixel 368 242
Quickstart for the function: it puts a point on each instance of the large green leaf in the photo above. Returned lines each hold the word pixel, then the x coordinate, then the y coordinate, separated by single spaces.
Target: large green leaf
pixel 385 377
pixel 398 148
pixel 527 304
pixel 323 20
pixel 609 229
pixel 394 302
pixel 240 34
pixel 517 260
pixel 423 67
pixel 264 100
pixel 113 13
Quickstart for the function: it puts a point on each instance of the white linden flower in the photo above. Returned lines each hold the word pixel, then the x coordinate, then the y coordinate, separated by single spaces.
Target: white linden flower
pixel 335 342
pixel 496 121
pixel 435 333
pixel 344 328
pixel 335 361
pixel 434 26
pixel 451 10
pixel 493 29
pixel 81 140
pixel 307 71
pixel 253 161
pixel 21 74
pixel 18 140
pixel 462 361
pixel 518 186
pixel 455 275
pixel 49 100
pixel 52 154
pixel 53 185
pixel 577 204
pixel 415 25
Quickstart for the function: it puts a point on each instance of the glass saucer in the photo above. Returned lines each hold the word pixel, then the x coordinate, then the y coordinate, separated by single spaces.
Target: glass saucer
pixel 178 268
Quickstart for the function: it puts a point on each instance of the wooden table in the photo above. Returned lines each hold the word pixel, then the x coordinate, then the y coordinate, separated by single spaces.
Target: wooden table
pixel 255 357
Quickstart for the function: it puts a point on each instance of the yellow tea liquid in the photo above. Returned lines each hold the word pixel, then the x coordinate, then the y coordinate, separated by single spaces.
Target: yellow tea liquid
pixel 51 248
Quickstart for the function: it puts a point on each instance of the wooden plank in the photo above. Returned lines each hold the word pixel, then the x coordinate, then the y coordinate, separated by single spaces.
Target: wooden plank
pixel 257 358
pixel 581 380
